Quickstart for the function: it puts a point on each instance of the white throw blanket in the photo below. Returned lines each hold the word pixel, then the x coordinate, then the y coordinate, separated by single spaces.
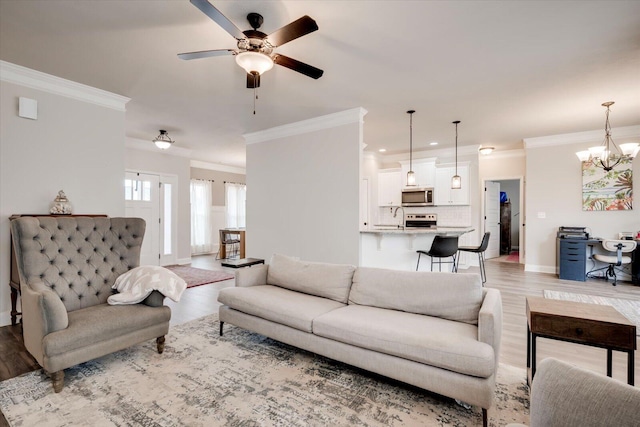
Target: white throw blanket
pixel 136 284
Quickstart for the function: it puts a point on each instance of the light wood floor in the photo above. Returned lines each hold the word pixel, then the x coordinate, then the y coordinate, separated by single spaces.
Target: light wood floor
pixel 510 278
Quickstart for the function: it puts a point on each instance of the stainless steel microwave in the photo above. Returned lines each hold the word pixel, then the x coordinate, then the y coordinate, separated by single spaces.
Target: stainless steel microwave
pixel 417 196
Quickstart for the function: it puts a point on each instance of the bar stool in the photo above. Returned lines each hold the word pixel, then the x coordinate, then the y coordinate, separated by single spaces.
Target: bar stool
pixel 229 238
pixel 480 251
pixel 442 247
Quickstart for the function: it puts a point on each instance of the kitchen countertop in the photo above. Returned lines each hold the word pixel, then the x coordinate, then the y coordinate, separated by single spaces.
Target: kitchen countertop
pixel 412 231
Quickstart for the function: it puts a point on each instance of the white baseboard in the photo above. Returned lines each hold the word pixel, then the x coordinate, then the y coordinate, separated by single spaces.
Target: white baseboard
pixel 5 318
pixel 183 261
pixel 540 268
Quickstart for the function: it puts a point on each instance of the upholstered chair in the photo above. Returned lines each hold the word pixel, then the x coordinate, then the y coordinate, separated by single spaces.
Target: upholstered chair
pixel 67 266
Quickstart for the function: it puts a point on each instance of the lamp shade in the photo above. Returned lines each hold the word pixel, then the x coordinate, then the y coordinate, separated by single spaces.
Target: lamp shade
pixel 411 178
pixel 456 182
pixel 254 62
pixel 486 150
pixel 163 145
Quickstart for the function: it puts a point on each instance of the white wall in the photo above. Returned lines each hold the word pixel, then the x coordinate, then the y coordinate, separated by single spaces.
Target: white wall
pixel 74 145
pixel 554 190
pixel 163 163
pixel 303 189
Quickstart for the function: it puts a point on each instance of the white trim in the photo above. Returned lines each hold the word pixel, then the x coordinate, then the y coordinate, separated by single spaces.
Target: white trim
pixel 217 167
pixel 540 268
pixel 5 318
pixel 354 115
pixel 27 77
pixel 504 154
pixel 183 261
pixel 467 150
pixel 581 137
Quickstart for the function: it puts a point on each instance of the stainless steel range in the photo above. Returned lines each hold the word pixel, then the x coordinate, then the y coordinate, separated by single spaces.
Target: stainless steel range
pixel 420 221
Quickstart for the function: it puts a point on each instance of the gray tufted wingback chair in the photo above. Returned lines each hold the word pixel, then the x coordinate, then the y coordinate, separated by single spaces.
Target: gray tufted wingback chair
pixel 67 267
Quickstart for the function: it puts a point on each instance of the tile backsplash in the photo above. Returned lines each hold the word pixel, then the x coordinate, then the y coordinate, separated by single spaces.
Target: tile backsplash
pixel 448 216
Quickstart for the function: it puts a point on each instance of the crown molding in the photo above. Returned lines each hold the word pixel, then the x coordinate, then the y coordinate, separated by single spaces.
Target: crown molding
pixel 581 137
pixel 354 115
pixel 217 167
pixel 16 74
pixel 503 154
pixel 427 155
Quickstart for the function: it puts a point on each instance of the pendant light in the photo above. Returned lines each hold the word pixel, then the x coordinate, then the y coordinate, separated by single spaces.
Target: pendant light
pixel 456 181
pixel 604 156
pixel 411 176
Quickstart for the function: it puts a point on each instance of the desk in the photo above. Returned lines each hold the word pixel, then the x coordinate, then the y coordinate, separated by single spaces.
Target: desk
pixel 577 322
pixel 234 231
pixel 635 264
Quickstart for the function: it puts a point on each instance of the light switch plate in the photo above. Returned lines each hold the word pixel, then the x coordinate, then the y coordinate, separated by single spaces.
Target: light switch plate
pixel 28 108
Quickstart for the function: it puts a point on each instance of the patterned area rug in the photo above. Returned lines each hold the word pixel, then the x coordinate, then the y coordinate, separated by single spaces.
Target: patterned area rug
pixel 240 379
pixel 628 308
pixel 198 276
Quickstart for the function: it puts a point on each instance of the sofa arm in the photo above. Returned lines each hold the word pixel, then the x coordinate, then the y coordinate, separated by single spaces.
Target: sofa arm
pixel 563 394
pixel 252 276
pixel 43 313
pixel 490 320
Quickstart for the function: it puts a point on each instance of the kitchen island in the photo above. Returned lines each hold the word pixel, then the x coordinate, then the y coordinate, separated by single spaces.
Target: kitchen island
pixel 395 248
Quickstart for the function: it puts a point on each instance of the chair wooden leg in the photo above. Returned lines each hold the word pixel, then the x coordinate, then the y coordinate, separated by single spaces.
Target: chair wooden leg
pixel 57 379
pixel 221 325
pixel 485 420
pixel 418 264
pixel 160 344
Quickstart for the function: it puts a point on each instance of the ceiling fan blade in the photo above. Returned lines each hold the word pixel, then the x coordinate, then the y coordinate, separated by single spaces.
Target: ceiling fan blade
pixel 298 66
pixel 217 17
pixel 292 31
pixel 205 54
pixel 253 81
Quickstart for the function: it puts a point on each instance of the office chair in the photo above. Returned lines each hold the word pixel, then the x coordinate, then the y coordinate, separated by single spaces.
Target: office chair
pixel 619 260
pixel 480 251
pixel 442 247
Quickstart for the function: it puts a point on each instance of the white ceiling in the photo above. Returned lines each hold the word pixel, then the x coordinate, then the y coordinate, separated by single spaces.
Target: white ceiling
pixel 507 69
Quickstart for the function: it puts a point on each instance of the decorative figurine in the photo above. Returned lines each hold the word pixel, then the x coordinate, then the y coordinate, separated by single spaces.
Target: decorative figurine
pixel 60 205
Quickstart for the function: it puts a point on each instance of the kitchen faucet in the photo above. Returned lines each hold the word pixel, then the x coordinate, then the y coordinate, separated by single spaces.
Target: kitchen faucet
pixel 395 213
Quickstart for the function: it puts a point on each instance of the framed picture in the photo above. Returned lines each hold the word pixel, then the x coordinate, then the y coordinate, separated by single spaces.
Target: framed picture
pixel 607 191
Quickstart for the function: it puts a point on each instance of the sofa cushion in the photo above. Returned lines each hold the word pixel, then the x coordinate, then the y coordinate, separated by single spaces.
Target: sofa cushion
pixel 102 322
pixel 453 296
pixel 279 305
pixel 430 340
pixel 331 281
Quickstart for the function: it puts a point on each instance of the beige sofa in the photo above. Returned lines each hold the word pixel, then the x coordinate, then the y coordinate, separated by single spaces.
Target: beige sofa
pixel 437 331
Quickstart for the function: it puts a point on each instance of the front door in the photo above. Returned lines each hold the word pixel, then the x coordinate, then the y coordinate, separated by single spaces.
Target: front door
pixel 142 201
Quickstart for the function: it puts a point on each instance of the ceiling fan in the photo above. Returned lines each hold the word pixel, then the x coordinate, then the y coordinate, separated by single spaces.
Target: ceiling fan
pixel 255 52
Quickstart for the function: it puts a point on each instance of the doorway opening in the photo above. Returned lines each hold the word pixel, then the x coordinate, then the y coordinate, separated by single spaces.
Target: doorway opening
pixel 503 217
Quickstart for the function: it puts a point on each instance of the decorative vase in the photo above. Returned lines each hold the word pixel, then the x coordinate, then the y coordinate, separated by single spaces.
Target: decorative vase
pixel 61 205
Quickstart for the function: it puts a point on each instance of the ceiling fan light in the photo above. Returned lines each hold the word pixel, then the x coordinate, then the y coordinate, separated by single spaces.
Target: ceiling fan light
pixel 254 62
pixel 486 150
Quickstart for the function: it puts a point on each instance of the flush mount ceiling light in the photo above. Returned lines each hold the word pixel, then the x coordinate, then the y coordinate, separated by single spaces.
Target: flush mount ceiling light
pixel 163 141
pixel 411 176
pixel 486 150
pixel 608 154
pixel 382 150
pixel 456 181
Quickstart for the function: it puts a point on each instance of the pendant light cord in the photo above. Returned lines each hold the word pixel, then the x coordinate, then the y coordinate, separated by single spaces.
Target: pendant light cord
pixel 411 141
pixel 456 148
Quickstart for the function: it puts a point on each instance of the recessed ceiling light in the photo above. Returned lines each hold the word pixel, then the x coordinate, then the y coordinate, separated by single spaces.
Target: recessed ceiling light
pixel 433 143
pixel 382 150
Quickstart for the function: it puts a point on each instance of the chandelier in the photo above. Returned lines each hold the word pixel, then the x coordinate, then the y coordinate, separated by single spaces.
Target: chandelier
pixel 608 154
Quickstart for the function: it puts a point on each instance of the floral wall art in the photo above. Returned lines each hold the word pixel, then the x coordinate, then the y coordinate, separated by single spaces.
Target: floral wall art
pixel 607 191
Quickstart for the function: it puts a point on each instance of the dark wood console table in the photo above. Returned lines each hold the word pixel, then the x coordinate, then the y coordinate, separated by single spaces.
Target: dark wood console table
pixel 577 322
pixel 14 277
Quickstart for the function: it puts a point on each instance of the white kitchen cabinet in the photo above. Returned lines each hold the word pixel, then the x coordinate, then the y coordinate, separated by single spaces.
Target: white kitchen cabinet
pixel 389 187
pixel 425 170
pixel 444 194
